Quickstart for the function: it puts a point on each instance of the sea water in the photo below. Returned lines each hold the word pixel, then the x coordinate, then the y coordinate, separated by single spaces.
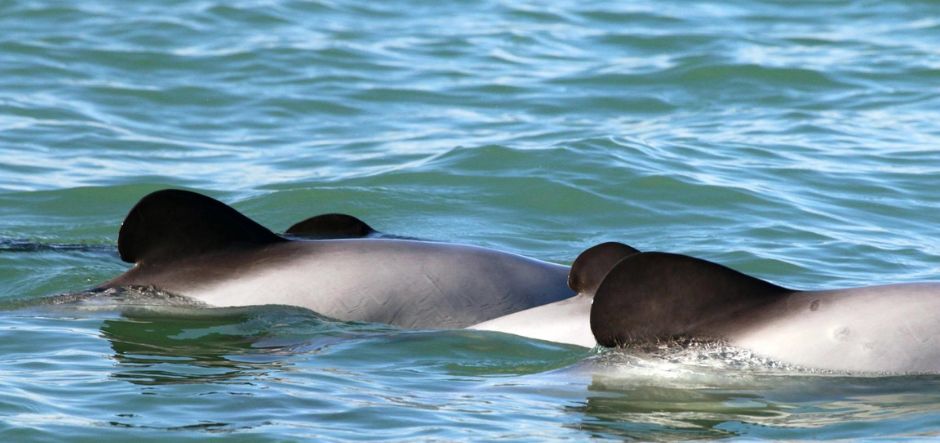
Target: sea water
pixel 797 142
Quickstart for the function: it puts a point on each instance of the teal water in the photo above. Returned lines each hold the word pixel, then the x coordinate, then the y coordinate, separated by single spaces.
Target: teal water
pixel 795 142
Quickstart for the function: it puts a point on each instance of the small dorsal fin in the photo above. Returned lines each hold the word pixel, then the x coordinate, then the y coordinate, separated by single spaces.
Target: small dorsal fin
pixel 656 295
pixel 173 223
pixel 330 226
pixel 589 269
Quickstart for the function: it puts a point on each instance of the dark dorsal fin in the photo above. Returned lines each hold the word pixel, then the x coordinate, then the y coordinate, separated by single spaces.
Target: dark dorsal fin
pixel 589 269
pixel 326 226
pixel 655 295
pixel 172 223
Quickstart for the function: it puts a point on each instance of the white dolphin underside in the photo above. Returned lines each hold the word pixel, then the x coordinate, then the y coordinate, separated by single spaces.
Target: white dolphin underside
pixel 567 321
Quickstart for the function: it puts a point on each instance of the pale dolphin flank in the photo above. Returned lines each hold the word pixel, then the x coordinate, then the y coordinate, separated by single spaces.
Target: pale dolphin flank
pixel 566 321
pixel 192 245
pixel 656 296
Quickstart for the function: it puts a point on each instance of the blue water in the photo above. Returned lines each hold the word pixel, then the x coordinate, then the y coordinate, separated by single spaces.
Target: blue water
pixel 795 142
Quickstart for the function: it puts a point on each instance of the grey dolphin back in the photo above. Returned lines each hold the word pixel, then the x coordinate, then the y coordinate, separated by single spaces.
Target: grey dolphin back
pixel 592 265
pixel 654 296
pixel 173 223
pixel 331 226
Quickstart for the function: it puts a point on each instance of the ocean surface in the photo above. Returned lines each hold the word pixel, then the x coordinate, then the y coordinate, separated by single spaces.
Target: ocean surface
pixel 798 142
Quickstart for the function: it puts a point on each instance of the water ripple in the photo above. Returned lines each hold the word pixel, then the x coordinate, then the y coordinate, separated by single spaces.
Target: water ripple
pixel 794 142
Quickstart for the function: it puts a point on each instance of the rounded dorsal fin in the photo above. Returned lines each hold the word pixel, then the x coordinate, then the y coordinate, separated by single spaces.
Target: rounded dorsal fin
pixel 328 226
pixel 173 223
pixel 655 295
pixel 589 269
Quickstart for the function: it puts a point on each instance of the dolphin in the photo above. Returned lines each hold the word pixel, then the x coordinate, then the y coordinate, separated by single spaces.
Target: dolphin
pixel 192 245
pixel 613 295
pixel 568 320
pixel 656 296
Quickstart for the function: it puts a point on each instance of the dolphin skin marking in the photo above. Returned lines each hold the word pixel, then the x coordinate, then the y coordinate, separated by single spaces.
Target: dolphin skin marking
pixel 654 296
pixel 190 244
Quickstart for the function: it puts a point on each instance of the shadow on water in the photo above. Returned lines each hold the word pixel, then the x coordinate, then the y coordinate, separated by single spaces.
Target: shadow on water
pixel 458 353
pixel 172 345
pixel 652 413
pixel 665 401
pixel 218 345
pixel 162 338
